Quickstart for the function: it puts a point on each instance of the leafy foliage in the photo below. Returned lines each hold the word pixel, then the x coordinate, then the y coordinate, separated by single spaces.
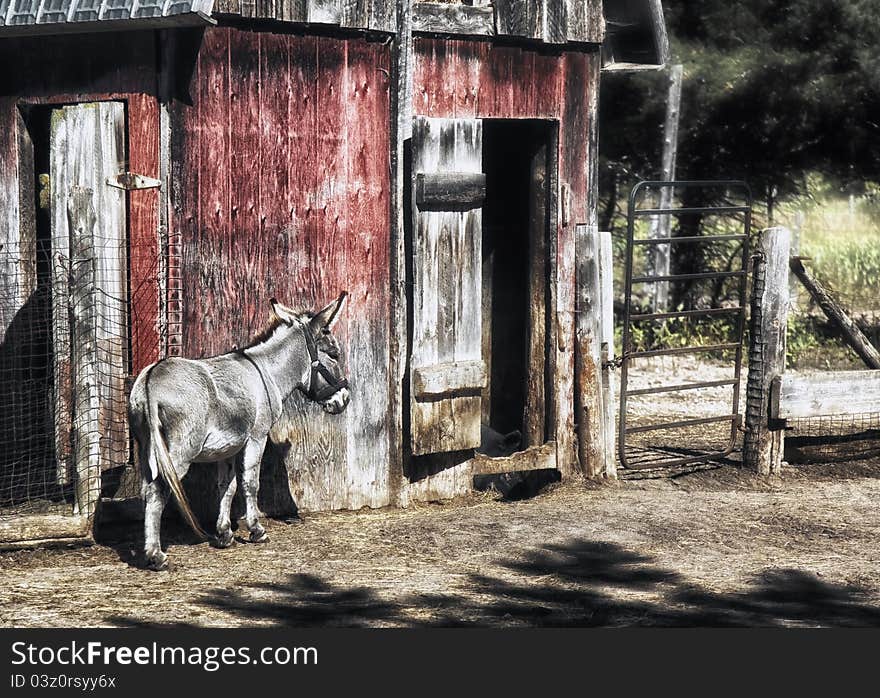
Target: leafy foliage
pixel 773 89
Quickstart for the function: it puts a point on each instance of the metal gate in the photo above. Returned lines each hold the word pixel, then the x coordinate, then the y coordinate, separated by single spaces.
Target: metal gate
pixel 701 324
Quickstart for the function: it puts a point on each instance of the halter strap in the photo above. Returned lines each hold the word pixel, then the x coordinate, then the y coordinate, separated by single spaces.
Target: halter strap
pixel 276 412
pixel 334 384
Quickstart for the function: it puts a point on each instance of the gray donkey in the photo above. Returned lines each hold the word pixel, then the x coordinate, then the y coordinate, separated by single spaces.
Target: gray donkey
pixel 184 411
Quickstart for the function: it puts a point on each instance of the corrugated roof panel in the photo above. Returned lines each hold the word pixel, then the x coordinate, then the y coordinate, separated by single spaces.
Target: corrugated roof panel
pixel 149 8
pixel 31 17
pixel 117 9
pixel 54 11
pixel 22 12
pixel 85 11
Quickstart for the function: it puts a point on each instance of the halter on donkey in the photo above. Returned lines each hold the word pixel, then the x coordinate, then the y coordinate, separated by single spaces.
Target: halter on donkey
pixel 184 411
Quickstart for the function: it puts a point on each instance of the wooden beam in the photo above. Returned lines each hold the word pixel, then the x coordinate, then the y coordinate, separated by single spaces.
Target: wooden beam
pixel 86 434
pixel 595 452
pixel 536 458
pixel 828 393
pixel 35 529
pixel 401 133
pixel 444 18
pixel 852 335
pixel 449 379
pixel 606 343
pixel 448 191
pixel 763 448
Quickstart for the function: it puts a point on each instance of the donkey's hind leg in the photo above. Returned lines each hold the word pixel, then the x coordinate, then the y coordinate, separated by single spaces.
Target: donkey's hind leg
pixel 226 485
pixel 155 495
pixel 253 454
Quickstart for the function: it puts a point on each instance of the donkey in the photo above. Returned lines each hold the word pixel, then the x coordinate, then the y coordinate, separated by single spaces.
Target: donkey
pixel 185 411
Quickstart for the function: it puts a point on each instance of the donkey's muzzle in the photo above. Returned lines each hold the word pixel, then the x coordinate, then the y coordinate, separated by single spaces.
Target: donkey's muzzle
pixel 337 402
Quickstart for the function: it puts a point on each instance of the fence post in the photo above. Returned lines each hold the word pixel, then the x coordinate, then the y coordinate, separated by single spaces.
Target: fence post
pixel 763 447
pixel 595 338
pixel 87 438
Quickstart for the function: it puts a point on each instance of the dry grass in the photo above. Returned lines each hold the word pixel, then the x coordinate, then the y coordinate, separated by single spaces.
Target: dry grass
pixel 716 548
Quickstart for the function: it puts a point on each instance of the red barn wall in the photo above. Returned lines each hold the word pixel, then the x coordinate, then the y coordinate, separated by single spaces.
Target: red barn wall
pixel 479 79
pixel 283 175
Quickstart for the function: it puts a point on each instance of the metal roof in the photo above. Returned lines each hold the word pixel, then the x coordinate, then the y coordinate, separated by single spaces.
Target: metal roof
pixel 33 17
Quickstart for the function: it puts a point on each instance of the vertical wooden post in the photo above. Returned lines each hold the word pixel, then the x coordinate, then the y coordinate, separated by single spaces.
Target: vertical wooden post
pixel 401 124
pixel 86 433
pixel 763 447
pixel 594 332
pixel 606 339
pixel 661 226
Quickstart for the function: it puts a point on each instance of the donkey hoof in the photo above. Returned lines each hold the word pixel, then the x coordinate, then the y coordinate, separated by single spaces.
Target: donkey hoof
pixel 224 540
pixel 259 535
pixel 157 562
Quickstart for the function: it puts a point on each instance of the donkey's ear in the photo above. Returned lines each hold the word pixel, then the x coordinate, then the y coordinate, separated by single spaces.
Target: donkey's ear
pixel 282 312
pixel 329 314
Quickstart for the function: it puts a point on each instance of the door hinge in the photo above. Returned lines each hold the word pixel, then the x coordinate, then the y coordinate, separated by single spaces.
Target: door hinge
pixel 131 181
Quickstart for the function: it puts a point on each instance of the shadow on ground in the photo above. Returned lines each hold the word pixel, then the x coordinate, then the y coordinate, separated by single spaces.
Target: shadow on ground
pixel 579 584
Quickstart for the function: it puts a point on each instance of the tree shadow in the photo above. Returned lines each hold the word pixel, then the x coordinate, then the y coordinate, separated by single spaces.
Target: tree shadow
pixel 578 584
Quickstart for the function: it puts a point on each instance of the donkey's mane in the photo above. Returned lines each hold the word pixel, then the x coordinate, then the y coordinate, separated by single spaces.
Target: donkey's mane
pixel 264 334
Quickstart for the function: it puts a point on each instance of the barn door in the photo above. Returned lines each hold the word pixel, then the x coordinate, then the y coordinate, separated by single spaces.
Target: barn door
pixel 447 371
pixel 90 287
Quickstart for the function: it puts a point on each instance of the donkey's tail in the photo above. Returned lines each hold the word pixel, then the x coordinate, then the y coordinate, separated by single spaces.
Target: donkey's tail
pixel 160 464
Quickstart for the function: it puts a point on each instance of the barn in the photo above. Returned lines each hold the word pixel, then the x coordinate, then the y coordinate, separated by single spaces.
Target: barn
pixel 167 166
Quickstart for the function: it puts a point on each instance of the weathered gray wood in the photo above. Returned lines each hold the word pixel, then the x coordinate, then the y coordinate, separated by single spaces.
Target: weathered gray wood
pixel 645 17
pixel 87 397
pixel 523 18
pixel 585 21
pixel 447 18
pixel 535 407
pixel 450 191
pixel 661 226
pixel 39 529
pixel 541 457
pixel 61 267
pixel 90 286
pixel 96 152
pixel 606 340
pixel 763 448
pixel 594 451
pixel 401 132
pixel 555 21
pixel 444 380
pixel 447 296
pixel 828 393
pixel 852 335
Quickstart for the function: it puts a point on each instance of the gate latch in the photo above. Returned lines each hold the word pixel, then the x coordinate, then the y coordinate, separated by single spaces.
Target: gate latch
pixel 130 181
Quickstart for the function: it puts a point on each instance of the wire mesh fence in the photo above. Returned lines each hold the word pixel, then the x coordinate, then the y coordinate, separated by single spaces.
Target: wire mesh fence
pixel 64 360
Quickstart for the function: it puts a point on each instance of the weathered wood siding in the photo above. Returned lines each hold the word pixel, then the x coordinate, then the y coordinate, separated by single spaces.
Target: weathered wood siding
pixel 95 68
pixel 282 168
pixel 98 68
pixel 478 79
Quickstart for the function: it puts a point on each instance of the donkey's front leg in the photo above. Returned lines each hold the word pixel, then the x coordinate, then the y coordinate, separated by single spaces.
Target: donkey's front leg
pixel 155 495
pixel 253 454
pixel 226 486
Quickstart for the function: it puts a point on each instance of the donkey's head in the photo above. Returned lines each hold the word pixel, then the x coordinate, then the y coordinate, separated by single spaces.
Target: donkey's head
pixel 326 383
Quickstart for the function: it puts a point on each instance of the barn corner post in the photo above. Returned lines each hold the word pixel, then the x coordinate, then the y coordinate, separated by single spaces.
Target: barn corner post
pixel 763 443
pixel 594 399
pixel 401 137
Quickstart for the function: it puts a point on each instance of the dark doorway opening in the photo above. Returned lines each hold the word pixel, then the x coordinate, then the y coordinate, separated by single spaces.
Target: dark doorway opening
pixel 519 162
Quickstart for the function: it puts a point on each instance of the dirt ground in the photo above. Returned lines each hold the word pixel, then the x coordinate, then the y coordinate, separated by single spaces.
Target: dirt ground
pixel 715 548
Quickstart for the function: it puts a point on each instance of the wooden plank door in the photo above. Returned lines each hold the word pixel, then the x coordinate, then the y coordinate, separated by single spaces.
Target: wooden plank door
pixel 447 372
pixel 90 281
